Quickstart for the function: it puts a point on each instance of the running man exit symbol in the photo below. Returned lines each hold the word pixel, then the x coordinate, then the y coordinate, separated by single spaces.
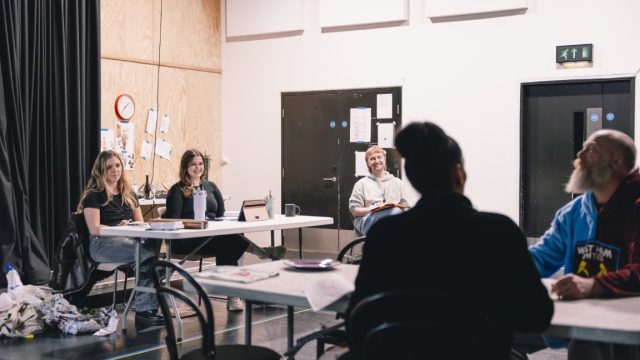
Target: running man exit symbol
pixel 572 53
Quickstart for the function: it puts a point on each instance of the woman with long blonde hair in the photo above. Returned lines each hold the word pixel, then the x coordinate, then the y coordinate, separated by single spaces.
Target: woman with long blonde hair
pixel 107 200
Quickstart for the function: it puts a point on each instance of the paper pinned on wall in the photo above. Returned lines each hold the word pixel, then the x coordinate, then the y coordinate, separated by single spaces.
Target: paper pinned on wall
pixel 128 158
pixel 361 164
pixel 106 139
pixel 145 150
pixel 360 129
pixel 384 106
pixel 152 117
pixel 164 123
pixel 124 137
pixel 163 149
pixel 385 135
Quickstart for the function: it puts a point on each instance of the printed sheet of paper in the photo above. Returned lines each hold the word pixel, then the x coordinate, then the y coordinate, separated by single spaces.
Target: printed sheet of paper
pixel 106 139
pixel 128 158
pixel 384 106
pixel 361 164
pixel 360 130
pixel 163 149
pixel 145 150
pixel 124 137
pixel 164 124
pixel 385 135
pixel 152 118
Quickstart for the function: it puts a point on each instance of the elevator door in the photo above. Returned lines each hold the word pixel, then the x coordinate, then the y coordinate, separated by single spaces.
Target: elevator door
pixel 556 119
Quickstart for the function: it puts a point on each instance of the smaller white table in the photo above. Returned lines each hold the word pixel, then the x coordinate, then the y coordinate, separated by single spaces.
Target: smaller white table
pixel 284 289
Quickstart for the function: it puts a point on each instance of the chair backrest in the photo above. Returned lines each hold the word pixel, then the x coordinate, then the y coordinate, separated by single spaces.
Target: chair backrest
pixel 347 256
pixel 163 291
pixel 407 324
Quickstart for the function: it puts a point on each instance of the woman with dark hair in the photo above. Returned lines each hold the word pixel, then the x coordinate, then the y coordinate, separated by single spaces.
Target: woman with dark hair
pixel 107 200
pixel 443 244
pixel 226 248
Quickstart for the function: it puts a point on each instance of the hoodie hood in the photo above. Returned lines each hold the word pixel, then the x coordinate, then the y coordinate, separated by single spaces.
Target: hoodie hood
pixel 386 177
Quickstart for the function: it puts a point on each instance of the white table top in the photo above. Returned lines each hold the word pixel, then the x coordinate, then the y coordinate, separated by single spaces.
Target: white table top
pixel 284 289
pixel 280 222
pixel 609 320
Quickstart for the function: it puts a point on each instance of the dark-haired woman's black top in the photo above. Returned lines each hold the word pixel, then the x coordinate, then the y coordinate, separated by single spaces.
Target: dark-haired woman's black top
pixel 478 257
pixel 181 207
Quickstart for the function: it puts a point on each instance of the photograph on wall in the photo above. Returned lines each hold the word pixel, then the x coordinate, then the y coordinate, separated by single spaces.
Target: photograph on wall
pixel 106 139
pixel 128 158
pixel 124 137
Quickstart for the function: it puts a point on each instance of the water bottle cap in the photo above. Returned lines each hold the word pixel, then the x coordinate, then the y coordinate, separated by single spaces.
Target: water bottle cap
pixel 8 268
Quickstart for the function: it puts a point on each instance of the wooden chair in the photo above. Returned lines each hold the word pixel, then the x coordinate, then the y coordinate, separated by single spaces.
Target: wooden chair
pixel 412 324
pixel 208 349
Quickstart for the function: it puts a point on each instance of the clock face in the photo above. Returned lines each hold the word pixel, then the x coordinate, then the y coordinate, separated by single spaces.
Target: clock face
pixel 125 107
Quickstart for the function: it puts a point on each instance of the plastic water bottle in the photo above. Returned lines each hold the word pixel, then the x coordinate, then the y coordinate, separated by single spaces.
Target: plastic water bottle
pixel 13 278
pixel 199 204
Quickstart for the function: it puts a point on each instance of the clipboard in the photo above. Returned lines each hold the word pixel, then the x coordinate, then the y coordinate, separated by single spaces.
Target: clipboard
pixel 253 210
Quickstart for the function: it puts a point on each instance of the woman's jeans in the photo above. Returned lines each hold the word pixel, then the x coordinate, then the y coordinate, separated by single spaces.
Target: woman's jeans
pixel 122 249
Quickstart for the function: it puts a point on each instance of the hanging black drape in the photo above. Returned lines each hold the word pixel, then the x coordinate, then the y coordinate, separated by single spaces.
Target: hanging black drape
pixel 49 124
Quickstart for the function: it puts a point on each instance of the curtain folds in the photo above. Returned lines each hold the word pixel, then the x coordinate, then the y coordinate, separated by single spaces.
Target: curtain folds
pixel 49 124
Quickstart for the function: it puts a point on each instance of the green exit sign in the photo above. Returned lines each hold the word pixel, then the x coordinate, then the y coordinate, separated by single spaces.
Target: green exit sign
pixel 572 53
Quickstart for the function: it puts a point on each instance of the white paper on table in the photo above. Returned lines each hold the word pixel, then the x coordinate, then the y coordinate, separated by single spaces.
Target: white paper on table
pixel 163 149
pixel 360 129
pixel 361 164
pixel 164 124
pixel 327 290
pixel 152 117
pixel 384 106
pixel 145 150
pixel 385 135
pixel 106 139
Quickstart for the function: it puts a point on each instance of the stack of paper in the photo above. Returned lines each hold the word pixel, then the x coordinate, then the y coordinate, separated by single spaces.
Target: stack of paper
pixel 166 225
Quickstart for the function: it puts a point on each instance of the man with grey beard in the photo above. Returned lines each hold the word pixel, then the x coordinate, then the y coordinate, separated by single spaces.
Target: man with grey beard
pixel 596 236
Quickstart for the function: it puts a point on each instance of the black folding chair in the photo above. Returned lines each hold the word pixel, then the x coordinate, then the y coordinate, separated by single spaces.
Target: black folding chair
pixel 408 324
pixel 335 333
pixel 208 349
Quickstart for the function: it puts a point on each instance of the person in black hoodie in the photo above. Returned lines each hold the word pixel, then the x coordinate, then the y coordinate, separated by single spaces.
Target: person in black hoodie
pixel 444 244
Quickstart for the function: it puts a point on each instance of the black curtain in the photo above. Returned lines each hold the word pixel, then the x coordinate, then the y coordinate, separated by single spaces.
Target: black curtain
pixel 49 124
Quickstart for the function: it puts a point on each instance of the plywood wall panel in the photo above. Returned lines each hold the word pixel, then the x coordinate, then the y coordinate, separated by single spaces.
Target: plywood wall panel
pixel 187 79
pixel 130 29
pixel 139 81
pixel 192 101
pixel 191 34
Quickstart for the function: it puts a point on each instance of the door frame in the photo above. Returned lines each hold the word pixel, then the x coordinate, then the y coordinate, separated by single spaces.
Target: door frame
pixel 523 85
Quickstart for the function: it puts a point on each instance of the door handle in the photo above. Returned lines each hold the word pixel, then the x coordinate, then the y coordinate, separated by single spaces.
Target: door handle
pixel 333 179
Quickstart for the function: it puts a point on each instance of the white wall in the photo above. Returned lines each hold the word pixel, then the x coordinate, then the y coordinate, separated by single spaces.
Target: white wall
pixel 463 75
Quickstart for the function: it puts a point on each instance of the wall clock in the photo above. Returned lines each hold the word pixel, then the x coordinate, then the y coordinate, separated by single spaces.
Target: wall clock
pixel 125 107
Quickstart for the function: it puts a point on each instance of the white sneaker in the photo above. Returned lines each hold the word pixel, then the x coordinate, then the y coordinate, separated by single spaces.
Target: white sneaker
pixel 235 304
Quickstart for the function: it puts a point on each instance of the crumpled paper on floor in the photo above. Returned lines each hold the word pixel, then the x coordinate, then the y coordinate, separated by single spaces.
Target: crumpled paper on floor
pixel 27 309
